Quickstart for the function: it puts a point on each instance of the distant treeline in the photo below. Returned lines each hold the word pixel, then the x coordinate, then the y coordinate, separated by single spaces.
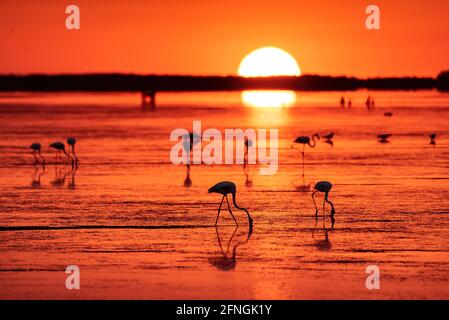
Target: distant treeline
pixel 132 82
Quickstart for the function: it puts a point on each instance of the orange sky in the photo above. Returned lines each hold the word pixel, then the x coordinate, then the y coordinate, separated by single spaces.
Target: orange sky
pixel 212 36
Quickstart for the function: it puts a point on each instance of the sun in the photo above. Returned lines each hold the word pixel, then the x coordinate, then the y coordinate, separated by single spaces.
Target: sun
pixel 267 62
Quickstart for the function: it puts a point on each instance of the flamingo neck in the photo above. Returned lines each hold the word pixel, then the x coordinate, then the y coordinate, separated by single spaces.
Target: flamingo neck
pixel 236 205
pixel 314 142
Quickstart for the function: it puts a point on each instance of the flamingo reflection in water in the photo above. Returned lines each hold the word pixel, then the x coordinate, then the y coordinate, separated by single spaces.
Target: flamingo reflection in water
pixel 37 175
pixel 227 261
pixel 323 244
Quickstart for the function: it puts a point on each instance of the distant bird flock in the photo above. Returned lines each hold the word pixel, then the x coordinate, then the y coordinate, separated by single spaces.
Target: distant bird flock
pixel 68 156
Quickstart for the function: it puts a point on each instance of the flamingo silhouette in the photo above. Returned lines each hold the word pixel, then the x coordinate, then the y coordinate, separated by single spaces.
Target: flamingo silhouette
pixel 324 187
pixel 71 142
pixel 225 188
pixel 59 147
pixel 328 138
pixel 432 137
pixel 248 181
pixel 304 140
pixel 36 151
pixel 383 138
pixel 188 142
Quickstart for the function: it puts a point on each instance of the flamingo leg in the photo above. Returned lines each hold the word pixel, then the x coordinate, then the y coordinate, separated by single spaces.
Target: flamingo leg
pixel 42 158
pixel 230 211
pixel 219 209
pixel 316 208
pixel 332 205
pixel 35 158
pixel 324 202
pixel 303 154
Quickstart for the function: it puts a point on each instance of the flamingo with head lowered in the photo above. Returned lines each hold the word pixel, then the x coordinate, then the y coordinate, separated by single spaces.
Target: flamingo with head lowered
pixel 225 188
pixel 71 142
pixel 59 147
pixel 324 187
pixel 36 151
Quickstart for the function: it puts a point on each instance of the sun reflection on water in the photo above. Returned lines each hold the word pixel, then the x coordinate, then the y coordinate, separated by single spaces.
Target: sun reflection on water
pixel 269 98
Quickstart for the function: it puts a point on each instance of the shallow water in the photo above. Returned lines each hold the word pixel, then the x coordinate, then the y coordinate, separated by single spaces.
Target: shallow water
pixel 128 222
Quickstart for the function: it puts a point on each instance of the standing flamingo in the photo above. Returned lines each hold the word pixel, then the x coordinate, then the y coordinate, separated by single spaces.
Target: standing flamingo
pixel 306 140
pixel 59 147
pixel 188 142
pixel 383 138
pixel 224 188
pixel 432 137
pixel 36 151
pixel 71 142
pixel 325 187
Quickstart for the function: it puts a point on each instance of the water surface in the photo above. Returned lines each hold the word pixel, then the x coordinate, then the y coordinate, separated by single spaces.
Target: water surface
pixel 128 221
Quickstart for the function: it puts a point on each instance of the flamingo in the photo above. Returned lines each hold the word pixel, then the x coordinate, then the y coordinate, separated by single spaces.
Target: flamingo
pixel 36 150
pixel 432 137
pixel 71 142
pixel 383 138
pixel 306 140
pixel 324 187
pixel 188 142
pixel 59 147
pixel 328 136
pixel 224 188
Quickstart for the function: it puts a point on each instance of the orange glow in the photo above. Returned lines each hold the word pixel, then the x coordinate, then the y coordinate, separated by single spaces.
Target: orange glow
pixel 269 99
pixel 265 62
pixel 210 37
pixel 268 61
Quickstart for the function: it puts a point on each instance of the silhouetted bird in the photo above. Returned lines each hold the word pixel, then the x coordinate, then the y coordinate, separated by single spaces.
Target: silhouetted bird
pixel 388 114
pixel 306 140
pixel 342 102
pixel 59 147
pixel 71 142
pixel 188 142
pixel 432 137
pixel 324 187
pixel 224 188
pixel 383 138
pixel 328 136
pixel 36 151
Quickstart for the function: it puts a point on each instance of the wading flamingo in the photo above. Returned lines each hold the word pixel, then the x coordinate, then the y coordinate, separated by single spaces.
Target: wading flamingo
pixel 306 140
pixel 71 142
pixel 188 142
pixel 224 188
pixel 432 137
pixel 383 138
pixel 36 151
pixel 324 187
pixel 59 147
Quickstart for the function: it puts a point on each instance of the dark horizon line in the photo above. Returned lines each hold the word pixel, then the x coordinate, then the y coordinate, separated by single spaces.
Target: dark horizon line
pixel 130 82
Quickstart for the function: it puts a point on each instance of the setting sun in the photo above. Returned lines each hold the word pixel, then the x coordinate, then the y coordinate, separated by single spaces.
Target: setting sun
pixel 267 62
